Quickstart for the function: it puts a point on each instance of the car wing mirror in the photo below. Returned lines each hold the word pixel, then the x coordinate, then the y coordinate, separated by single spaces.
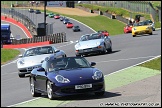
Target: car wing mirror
pixel 40 69
pixel 57 50
pixel 42 61
pixel 20 55
pixel 93 63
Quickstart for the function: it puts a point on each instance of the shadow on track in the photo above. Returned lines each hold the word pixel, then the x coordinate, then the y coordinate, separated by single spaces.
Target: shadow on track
pixel 101 54
pixel 87 96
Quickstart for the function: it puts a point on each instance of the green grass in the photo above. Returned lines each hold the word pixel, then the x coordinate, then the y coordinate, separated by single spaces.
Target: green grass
pixel 156 3
pixel 98 23
pixel 8 54
pixel 153 64
pixel 117 11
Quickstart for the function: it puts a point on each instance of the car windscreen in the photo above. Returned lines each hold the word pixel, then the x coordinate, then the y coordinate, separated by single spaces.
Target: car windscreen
pixel 95 36
pixel 67 63
pixel 39 51
pixel 84 38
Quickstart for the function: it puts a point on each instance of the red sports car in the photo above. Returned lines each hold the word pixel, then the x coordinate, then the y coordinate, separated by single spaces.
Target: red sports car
pixel 104 32
pixel 69 25
pixel 57 16
pixel 128 28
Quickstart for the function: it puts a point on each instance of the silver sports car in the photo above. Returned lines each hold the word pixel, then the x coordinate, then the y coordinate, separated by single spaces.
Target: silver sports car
pixel 33 57
pixel 93 43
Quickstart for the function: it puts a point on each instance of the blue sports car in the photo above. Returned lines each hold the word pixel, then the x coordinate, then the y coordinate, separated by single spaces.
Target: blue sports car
pixel 66 76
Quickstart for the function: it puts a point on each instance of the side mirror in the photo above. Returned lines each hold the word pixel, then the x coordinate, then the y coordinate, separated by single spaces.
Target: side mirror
pixel 57 50
pixel 41 69
pixel 42 61
pixel 20 55
pixel 93 63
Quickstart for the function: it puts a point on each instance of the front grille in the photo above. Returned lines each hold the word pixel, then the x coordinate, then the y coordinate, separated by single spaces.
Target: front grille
pixel 29 69
pixel 72 89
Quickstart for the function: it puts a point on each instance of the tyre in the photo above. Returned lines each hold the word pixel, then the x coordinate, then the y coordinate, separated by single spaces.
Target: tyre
pixel 32 88
pixel 99 93
pixel 110 50
pixel 50 93
pixel 21 75
pixel 133 35
pixel 64 55
pixel 104 50
pixel 78 55
pixel 151 33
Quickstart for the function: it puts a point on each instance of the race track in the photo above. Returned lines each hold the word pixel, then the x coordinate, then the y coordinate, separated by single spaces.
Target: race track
pixel 127 51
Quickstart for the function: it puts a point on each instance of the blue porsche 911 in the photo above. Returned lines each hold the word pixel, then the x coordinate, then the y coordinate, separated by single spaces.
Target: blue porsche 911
pixel 66 76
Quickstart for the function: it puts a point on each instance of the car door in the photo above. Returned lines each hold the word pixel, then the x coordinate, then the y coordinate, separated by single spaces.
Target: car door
pixel 57 52
pixel 41 78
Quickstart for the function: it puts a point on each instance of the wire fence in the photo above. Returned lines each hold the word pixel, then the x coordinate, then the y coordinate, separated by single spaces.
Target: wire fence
pixel 26 21
pixel 134 6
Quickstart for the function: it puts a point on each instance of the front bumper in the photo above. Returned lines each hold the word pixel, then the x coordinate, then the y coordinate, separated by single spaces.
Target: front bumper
pixel 70 90
pixel 27 70
pixel 141 32
pixel 89 50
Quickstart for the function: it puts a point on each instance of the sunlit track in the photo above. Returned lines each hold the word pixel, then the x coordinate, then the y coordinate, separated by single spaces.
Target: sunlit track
pixel 127 51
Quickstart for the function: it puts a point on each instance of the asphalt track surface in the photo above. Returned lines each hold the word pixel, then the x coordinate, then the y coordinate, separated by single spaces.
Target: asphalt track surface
pixel 127 51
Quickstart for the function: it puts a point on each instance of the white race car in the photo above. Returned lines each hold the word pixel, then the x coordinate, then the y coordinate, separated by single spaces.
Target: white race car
pixel 33 57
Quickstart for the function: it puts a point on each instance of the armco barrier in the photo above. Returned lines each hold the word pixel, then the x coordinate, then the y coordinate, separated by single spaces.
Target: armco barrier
pixel 5 18
pixel 27 45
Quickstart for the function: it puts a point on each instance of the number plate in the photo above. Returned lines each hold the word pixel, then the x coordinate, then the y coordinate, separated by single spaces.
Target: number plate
pixel 87 50
pixel 84 86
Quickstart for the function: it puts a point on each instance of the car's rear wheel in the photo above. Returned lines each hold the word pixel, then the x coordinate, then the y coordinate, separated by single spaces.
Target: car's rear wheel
pixel 99 93
pixel 21 75
pixel 32 88
pixel 50 93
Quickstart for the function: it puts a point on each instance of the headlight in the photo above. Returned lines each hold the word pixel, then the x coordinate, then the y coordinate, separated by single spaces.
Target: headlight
pixel 61 79
pixel 147 28
pixel 97 75
pixel 97 43
pixel 21 62
pixel 134 29
pixel 77 45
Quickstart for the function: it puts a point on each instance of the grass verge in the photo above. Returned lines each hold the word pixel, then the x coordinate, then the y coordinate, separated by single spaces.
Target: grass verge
pixel 153 64
pixel 8 54
pixel 121 11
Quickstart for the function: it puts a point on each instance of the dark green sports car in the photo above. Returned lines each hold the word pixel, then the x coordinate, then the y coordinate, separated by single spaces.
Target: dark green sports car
pixel 51 15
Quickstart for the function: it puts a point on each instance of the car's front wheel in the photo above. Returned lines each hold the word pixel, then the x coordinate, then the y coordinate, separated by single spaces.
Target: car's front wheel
pixel 32 88
pixel 50 93
pixel 21 75
pixel 133 35
pixel 151 33
pixel 104 50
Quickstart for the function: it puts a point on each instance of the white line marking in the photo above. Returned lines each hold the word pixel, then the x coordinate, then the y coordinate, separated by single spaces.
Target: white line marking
pixel 82 24
pixel 135 65
pixel 11 61
pixel 17 26
pixel 79 22
pixel 104 76
pixel 71 42
pixel 125 59
pixel 24 102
